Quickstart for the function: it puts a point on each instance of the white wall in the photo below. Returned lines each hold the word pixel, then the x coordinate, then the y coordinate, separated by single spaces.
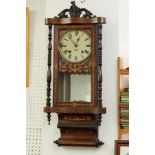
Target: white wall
pixel 36 91
pixel 124 38
pixel 124 31
pixel 108 130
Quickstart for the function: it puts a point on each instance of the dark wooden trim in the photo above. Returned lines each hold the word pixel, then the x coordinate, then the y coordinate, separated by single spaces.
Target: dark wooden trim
pixel 95 20
pixel 78 142
pixel 48 99
pixel 118 144
pixel 99 48
pixel 99 68
pixel 78 110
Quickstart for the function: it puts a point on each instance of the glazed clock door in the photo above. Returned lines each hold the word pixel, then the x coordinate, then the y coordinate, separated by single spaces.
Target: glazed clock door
pixel 74 54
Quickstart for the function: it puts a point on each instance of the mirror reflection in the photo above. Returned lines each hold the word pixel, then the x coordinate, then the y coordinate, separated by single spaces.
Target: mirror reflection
pixel 74 87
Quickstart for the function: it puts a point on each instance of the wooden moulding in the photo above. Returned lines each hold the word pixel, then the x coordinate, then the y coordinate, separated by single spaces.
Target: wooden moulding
pixel 78 142
pixel 124 71
pixel 97 110
pixel 95 20
pixel 124 131
pixel 119 144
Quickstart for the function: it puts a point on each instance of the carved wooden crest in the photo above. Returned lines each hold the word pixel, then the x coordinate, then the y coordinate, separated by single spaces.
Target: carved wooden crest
pixel 75 11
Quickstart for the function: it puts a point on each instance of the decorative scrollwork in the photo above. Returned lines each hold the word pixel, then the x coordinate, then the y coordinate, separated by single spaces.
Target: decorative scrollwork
pixel 75 11
pixel 57 142
pixel 99 143
pixel 74 68
pixel 99 119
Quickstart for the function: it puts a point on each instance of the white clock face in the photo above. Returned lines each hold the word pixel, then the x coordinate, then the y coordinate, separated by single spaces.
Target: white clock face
pixel 75 46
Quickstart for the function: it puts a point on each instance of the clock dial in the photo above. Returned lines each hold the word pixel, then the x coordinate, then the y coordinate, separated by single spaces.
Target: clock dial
pixel 75 46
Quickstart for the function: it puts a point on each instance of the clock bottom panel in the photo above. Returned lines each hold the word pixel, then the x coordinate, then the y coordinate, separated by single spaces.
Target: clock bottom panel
pixel 78 137
pixel 78 130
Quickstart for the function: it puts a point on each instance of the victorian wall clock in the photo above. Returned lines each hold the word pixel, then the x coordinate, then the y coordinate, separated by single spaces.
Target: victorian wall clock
pixel 77 76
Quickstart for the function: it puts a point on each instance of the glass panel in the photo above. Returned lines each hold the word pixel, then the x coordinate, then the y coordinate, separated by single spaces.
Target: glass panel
pixel 80 88
pixel 73 87
pixel 63 87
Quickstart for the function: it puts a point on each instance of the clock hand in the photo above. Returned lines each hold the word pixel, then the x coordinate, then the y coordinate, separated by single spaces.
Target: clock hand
pixel 76 45
pixel 78 39
pixel 72 41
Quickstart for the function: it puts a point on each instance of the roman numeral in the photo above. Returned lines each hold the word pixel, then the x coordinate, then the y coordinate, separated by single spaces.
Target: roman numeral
pixel 65 39
pixel 86 39
pixel 65 52
pixel 70 35
pixel 88 46
pixel 87 52
pixel 76 33
pixel 62 45
pixel 69 57
pixel 75 57
pixel 82 34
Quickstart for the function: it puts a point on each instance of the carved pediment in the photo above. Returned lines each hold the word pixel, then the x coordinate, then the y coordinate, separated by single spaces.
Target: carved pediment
pixel 75 11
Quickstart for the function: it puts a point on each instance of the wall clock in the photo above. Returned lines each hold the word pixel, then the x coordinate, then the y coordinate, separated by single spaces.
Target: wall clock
pixel 77 76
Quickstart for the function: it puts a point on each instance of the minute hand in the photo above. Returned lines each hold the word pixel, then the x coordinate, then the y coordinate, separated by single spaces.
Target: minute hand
pixel 78 39
pixel 76 45
pixel 72 41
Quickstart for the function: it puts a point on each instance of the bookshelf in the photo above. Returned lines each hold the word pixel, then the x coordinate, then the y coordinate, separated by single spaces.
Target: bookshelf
pixel 123 133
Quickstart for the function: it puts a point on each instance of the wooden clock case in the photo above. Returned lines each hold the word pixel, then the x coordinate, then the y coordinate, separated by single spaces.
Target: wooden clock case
pixel 78 121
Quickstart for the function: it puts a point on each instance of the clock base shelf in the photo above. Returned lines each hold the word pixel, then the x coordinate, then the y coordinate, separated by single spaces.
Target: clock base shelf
pixel 78 142
pixel 96 110
pixel 78 130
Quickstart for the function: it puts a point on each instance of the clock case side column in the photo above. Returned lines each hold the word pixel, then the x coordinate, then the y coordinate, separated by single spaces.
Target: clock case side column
pixel 99 69
pixel 49 76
